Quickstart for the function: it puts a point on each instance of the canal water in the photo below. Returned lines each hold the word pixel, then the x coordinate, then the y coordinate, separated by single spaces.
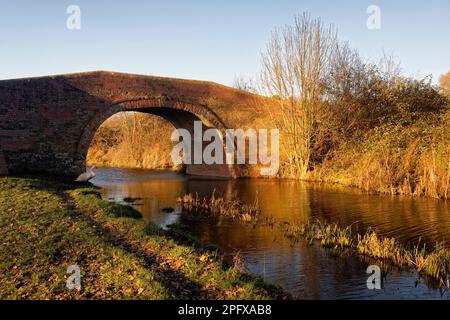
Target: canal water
pixel 306 270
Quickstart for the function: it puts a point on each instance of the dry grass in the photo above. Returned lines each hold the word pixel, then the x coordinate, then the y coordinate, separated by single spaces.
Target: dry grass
pixel 394 159
pixel 219 207
pixel 434 264
pixel 133 140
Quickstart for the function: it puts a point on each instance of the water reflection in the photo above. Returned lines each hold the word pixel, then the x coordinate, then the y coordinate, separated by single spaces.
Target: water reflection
pixel 305 270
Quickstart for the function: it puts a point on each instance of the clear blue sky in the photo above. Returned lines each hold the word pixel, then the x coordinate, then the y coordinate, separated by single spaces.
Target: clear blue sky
pixel 210 40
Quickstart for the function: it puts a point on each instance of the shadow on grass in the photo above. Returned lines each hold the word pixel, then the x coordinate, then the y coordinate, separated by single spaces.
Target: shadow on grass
pixel 175 282
pixel 48 182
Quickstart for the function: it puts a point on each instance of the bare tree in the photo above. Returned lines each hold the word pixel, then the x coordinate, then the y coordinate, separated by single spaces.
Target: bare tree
pixel 390 68
pixel 132 124
pixel 245 84
pixel 293 67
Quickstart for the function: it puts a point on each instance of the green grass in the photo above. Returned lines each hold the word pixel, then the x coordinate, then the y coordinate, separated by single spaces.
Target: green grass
pixel 45 226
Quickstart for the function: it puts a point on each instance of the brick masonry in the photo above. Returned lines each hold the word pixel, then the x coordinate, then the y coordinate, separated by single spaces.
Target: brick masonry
pixel 3 166
pixel 47 123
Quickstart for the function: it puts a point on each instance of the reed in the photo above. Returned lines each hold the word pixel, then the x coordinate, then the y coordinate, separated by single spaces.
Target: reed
pixel 342 240
pixel 372 245
pixel 215 206
pixel 435 264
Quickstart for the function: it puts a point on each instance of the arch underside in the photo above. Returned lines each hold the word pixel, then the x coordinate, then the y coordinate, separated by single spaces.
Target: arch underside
pixel 181 115
pixel 3 166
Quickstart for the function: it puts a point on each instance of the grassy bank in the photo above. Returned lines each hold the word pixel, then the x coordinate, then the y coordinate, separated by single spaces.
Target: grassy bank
pixel 46 226
pixel 399 158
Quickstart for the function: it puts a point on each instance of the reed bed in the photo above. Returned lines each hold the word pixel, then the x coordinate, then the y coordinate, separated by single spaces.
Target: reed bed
pixel 215 206
pixel 434 263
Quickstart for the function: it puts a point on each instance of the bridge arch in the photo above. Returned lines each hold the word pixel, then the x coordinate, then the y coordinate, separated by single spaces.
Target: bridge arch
pixel 179 113
pixel 47 123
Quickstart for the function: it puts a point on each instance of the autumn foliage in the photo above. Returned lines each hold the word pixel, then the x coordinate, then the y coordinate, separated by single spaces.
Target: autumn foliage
pixel 444 83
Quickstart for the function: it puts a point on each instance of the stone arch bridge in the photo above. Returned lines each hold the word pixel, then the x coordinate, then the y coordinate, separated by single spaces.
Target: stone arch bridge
pixel 47 123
